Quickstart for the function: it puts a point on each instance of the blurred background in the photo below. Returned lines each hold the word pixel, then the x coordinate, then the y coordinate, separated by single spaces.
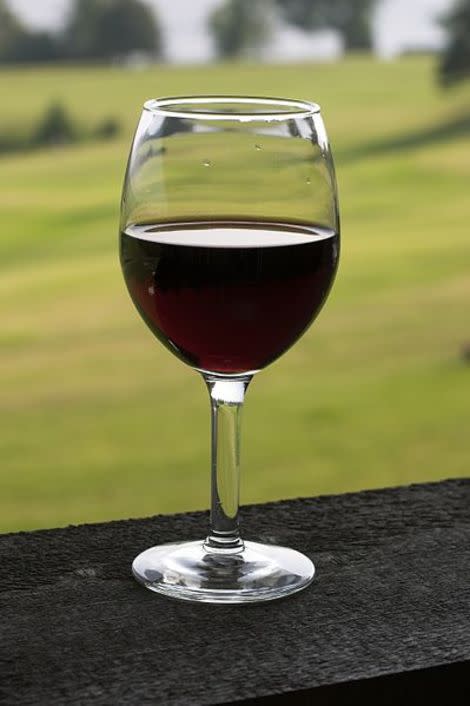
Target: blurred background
pixel 98 420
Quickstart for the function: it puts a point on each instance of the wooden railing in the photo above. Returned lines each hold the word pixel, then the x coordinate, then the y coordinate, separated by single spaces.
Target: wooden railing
pixel 387 617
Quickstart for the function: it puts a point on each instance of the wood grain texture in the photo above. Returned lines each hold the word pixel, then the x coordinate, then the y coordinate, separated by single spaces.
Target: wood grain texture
pixel 391 594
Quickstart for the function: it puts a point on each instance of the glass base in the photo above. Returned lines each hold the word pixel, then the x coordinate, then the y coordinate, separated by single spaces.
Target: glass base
pixel 193 572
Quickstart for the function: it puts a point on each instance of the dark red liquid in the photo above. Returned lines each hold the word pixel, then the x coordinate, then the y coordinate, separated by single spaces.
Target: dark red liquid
pixel 228 297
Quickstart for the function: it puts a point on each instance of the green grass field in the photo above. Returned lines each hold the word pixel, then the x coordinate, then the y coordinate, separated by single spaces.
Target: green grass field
pixel 99 421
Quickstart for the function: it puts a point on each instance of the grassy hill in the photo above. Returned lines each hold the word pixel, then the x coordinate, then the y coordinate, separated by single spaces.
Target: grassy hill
pixel 99 421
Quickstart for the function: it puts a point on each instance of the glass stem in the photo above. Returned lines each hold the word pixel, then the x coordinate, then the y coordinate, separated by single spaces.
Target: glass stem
pixel 227 397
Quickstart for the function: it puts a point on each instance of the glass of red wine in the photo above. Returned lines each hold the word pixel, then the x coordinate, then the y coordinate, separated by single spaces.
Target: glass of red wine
pixel 229 246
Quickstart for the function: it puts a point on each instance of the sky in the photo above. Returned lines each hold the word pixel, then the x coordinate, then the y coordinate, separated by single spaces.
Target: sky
pixel 399 25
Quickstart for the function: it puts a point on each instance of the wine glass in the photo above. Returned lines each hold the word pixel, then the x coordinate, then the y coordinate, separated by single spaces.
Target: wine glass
pixel 229 246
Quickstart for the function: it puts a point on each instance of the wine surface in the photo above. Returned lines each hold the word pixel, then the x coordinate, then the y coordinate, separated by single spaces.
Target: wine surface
pixel 228 296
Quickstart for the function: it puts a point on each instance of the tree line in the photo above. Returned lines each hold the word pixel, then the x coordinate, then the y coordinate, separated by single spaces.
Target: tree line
pixel 103 30
pixel 95 30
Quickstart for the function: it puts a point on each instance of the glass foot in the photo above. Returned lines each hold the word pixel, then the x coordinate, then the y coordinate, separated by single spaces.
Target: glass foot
pixel 192 572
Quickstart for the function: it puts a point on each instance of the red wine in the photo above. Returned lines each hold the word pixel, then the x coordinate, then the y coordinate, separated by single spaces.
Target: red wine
pixel 228 296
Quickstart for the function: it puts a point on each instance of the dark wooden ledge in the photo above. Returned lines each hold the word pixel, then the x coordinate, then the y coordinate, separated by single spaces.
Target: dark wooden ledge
pixel 388 613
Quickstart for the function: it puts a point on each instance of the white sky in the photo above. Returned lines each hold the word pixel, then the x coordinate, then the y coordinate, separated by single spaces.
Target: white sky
pixel 399 24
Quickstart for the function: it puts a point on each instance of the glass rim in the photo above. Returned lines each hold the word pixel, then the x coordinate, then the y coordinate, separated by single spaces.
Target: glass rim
pixel 287 108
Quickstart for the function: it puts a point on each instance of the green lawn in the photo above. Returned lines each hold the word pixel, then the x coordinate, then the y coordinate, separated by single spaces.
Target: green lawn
pixel 99 421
